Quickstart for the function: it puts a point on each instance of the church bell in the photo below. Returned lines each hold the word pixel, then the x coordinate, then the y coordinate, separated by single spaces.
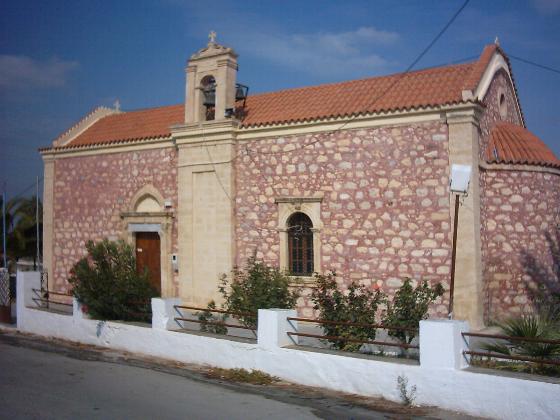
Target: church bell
pixel 209 92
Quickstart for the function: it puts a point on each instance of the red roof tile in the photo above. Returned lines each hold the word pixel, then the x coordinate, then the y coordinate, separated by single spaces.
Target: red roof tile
pixel 130 126
pixel 419 89
pixel 478 67
pixel 415 90
pixel 513 144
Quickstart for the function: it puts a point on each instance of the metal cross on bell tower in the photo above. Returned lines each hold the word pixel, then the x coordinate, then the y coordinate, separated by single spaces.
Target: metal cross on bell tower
pixel 212 37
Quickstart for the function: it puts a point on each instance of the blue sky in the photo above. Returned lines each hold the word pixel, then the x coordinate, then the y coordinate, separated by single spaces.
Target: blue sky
pixel 61 59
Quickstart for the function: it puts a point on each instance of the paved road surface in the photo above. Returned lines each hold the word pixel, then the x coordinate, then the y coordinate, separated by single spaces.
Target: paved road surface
pixel 41 379
pixel 42 385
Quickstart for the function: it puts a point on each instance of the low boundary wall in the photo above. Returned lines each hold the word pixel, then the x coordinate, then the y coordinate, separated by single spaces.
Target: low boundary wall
pixel 440 378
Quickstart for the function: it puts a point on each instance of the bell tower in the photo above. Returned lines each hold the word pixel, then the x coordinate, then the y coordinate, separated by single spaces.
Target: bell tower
pixel 210 86
pixel 206 147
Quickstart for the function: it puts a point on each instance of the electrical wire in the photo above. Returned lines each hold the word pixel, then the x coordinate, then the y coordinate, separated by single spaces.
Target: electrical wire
pixel 532 63
pixel 377 98
pixel 384 92
pixel 22 192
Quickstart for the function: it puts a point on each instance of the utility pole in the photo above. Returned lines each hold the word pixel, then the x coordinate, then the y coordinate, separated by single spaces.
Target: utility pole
pixel 453 257
pixel 459 184
pixel 4 225
pixel 38 259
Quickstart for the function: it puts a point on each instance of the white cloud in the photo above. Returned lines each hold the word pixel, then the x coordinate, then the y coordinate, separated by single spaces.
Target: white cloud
pixel 23 72
pixel 355 52
pixel 323 53
pixel 547 6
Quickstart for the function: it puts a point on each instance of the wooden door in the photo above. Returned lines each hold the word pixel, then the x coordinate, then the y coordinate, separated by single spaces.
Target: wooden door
pixel 148 256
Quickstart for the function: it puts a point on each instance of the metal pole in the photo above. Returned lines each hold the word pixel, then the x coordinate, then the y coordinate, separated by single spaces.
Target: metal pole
pixel 453 255
pixel 4 225
pixel 37 222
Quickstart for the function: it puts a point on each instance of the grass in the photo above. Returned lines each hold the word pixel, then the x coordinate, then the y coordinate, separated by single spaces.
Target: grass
pixel 255 377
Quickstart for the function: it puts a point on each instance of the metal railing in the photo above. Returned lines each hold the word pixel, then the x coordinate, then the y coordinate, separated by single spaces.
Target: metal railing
pixel 216 323
pixel 353 339
pixel 43 300
pixel 493 355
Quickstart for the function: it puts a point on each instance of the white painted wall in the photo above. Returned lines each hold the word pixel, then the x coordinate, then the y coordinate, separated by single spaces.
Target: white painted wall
pixel 441 384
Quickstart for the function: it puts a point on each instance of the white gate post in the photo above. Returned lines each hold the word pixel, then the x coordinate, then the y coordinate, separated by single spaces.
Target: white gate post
pixel 26 282
pixel 164 313
pixel 442 345
pixel 273 326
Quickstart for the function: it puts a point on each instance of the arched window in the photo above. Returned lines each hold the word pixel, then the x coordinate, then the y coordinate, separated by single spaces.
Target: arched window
pixel 300 244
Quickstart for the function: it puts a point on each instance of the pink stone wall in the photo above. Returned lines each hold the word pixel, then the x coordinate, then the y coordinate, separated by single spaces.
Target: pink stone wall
pixel 90 192
pixel 518 210
pixel 520 217
pixel 385 208
pixel 491 114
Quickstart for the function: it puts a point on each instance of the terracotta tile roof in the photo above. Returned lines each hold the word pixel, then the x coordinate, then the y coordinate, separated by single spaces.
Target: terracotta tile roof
pixel 131 126
pixel 478 67
pixel 419 89
pixel 513 144
pixel 404 91
pixel 414 90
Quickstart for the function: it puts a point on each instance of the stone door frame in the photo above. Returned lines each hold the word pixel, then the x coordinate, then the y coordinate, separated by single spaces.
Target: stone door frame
pixel 160 222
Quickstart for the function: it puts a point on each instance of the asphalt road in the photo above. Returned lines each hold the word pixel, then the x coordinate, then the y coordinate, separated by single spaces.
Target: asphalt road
pixel 43 385
pixel 45 379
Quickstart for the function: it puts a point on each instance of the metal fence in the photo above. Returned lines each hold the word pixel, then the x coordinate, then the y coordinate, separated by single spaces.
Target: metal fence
pixel 509 347
pixel 52 301
pixel 5 296
pixel 353 339
pixel 205 318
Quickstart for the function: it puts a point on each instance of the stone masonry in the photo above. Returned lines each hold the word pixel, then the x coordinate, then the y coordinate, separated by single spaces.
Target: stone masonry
pixel 385 206
pixel 90 192
pixel 491 114
pixel 520 209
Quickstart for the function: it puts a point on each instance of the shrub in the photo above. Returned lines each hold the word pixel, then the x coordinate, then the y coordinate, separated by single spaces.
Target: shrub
pixel 540 326
pixel 407 396
pixel 257 287
pixel 107 283
pixel 212 323
pixel 358 305
pixel 410 306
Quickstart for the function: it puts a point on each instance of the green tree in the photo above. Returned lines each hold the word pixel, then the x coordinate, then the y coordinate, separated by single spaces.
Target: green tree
pixel 258 286
pixel 107 283
pixel 358 305
pixel 408 307
pixel 21 227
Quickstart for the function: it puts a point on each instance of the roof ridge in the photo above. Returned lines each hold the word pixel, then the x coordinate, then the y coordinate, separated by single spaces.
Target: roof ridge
pixel 83 124
pixel 322 85
pixel 363 79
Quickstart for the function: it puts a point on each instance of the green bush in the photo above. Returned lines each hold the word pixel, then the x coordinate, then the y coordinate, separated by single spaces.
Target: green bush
pixel 107 283
pixel 538 326
pixel 358 305
pixel 410 306
pixel 210 322
pixel 257 287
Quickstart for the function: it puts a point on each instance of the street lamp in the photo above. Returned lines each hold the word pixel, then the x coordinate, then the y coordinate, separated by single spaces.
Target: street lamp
pixel 459 184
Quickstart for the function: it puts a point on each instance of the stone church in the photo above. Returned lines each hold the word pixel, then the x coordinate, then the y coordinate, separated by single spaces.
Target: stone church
pixel 351 177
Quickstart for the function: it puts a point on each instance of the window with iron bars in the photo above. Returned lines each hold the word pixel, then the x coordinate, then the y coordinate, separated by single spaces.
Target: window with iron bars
pixel 300 245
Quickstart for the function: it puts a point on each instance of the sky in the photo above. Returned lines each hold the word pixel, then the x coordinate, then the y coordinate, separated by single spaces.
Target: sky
pixel 61 59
